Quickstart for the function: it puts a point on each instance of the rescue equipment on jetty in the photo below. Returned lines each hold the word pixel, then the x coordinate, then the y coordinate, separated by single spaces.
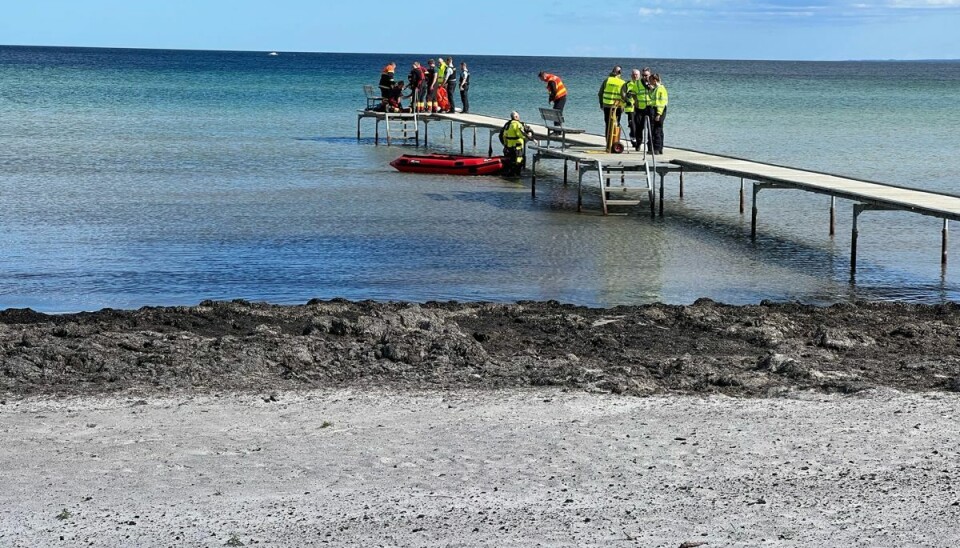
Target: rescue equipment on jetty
pixel 448 165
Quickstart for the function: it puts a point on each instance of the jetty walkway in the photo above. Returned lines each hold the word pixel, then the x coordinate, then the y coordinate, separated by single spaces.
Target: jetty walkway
pixel 637 171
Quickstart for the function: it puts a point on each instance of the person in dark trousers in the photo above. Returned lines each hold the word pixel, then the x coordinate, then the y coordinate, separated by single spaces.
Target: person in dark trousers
pixel 556 89
pixel 464 87
pixel 658 111
pixel 636 109
pixel 415 82
pixel 451 83
pixel 390 89
pixel 611 99
pixel 432 85
pixel 424 88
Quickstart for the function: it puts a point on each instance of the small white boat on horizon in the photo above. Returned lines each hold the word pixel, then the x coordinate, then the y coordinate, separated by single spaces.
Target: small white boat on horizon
pixel 273 53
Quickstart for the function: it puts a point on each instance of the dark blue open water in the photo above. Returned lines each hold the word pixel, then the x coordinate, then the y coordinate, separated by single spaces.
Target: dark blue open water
pixel 139 177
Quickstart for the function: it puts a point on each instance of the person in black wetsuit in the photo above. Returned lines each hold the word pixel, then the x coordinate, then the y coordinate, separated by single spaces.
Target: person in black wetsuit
pixel 415 82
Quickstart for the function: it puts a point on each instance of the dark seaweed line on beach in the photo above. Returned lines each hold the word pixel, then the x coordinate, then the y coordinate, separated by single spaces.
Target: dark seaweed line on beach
pixel 762 350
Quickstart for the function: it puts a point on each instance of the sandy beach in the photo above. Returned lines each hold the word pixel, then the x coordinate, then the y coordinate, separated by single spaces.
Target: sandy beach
pixel 537 467
pixel 446 424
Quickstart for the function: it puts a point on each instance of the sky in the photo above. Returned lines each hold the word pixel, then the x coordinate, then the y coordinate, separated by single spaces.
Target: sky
pixel 685 29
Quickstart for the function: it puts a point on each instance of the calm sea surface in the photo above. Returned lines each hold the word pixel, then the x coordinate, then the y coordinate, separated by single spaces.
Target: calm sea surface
pixel 139 177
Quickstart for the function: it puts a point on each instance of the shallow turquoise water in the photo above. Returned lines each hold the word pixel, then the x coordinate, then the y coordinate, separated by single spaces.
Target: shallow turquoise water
pixel 134 177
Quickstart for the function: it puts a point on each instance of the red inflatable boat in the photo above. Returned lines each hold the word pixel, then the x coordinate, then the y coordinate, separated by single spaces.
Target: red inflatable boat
pixel 448 165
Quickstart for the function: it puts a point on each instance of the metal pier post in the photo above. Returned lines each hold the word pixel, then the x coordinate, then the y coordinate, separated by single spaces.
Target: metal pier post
pixel 742 200
pixel 857 210
pixel 757 187
pixel 943 245
pixel 753 214
pixel 533 177
pixel 833 215
pixel 359 117
pixel 681 183
pixel 376 133
pixel 579 190
pixel 564 171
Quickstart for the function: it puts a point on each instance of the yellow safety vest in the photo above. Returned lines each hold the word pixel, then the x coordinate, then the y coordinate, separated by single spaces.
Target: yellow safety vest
pixel 611 91
pixel 513 136
pixel 636 96
pixel 659 99
pixel 441 72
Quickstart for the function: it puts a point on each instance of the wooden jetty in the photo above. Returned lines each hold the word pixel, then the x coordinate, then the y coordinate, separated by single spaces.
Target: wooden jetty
pixel 588 153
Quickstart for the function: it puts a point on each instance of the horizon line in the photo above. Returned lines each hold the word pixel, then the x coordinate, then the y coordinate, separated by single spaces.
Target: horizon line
pixel 385 54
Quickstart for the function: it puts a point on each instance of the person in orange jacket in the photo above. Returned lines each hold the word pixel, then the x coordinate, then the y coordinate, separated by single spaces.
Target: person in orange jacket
pixel 556 89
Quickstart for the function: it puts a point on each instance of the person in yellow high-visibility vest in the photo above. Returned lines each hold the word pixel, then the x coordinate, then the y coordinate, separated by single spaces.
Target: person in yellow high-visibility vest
pixel 658 111
pixel 638 100
pixel 514 135
pixel 611 96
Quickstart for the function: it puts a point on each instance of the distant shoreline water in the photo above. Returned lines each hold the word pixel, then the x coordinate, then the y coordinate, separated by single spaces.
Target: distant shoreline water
pixel 155 177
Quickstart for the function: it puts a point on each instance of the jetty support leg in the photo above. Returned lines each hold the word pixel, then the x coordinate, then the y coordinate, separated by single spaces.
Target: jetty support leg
pixel 943 244
pixel 742 198
pixel 359 117
pixel 757 187
pixel 564 172
pixel 533 177
pixel 854 234
pixel 376 133
pixel 681 183
pixel 461 140
pixel 857 210
pixel 579 191
pixel 833 215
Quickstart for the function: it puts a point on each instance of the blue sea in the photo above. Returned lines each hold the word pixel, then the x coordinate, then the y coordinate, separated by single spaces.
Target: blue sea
pixel 150 177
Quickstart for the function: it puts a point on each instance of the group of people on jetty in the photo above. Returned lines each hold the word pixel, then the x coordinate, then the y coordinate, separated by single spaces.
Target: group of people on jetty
pixel 643 98
pixel 432 87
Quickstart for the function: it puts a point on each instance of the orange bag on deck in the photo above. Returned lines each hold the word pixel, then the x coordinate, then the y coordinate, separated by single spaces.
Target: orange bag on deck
pixel 443 103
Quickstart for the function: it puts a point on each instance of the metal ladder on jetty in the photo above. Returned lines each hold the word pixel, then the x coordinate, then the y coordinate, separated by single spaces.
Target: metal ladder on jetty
pixel 405 127
pixel 634 178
